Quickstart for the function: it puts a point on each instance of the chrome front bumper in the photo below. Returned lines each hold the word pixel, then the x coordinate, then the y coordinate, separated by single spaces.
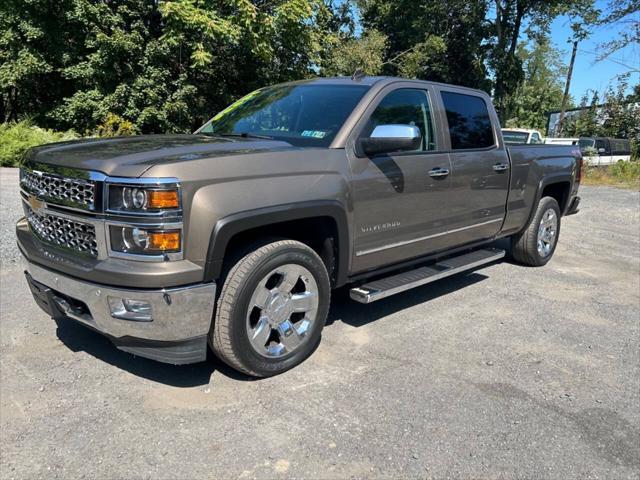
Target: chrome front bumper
pixel 180 316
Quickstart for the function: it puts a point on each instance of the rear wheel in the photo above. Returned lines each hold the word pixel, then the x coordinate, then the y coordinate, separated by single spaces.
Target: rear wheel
pixel 272 308
pixel 536 244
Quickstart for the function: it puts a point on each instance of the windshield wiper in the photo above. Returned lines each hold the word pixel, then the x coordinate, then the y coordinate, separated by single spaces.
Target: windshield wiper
pixel 244 135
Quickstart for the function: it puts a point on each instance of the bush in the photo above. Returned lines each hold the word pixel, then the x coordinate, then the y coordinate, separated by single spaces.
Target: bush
pixel 115 126
pixel 626 171
pixel 635 149
pixel 17 138
pixel 622 174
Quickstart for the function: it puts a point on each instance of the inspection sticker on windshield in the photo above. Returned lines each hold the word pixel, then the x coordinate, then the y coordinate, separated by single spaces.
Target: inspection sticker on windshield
pixel 314 133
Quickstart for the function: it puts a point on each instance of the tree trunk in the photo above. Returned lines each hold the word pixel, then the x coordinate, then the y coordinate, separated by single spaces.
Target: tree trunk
pixel 520 11
pixel 498 21
pixel 507 36
pixel 565 97
pixel 2 109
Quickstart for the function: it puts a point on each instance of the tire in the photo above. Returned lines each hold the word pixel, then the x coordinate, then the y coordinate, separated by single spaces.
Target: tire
pixel 525 245
pixel 262 327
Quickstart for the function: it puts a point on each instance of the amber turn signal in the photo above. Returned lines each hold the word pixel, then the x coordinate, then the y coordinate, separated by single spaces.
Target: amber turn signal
pixel 162 199
pixel 165 241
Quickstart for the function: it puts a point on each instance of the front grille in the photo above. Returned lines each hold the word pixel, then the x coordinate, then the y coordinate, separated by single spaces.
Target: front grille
pixel 66 191
pixel 63 232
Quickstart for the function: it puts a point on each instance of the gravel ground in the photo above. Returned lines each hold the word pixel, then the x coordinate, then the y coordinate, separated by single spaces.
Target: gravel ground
pixel 509 372
pixel 10 212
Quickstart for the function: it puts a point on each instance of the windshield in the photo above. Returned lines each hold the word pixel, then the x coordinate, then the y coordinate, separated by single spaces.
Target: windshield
pixel 514 138
pixel 303 115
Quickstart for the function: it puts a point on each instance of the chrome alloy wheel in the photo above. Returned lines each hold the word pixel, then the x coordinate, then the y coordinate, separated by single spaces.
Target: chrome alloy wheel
pixel 282 310
pixel 547 232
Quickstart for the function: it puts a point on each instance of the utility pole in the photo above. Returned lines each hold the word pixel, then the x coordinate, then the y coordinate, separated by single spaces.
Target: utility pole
pixel 565 97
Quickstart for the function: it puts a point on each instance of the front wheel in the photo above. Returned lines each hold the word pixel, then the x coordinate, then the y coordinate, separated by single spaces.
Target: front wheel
pixel 535 245
pixel 272 308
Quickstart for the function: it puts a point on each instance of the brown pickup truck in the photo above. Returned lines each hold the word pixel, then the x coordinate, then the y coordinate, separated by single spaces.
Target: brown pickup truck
pixel 235 236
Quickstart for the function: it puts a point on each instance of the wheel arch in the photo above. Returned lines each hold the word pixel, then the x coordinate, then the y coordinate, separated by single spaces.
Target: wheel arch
pixel 558 184
pixel 271 221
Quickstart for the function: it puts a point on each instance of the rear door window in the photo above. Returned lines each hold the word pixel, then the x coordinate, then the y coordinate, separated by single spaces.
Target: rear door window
pixel 620 147
pixel 469 121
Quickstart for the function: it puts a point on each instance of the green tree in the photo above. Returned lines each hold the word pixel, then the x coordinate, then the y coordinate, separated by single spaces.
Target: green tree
pixel 511 18
pixel 365 53
pixel 614 115
pixel 441 41
pixel 161 65
pixel 585 123
pixel 621 111
pixel 35 42
pixel 541 89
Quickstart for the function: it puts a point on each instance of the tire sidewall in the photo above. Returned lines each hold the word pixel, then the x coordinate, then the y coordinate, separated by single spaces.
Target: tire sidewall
pixel 545 204
pixel 243 349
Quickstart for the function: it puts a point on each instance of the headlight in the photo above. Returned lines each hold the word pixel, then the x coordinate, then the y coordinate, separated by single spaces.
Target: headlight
pixel 144 241
pixel 143 199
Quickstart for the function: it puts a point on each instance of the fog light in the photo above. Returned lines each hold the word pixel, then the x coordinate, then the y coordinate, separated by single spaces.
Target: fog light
pixel 128 309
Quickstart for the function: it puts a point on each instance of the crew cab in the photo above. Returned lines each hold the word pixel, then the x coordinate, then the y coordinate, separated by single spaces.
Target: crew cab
pixel 235 236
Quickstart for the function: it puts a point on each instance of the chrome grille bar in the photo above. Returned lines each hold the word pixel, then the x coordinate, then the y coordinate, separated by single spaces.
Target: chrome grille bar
pixel 63 232
pixel 74 192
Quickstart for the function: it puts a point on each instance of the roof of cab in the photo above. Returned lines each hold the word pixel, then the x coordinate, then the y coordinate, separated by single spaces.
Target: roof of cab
pixel 379 80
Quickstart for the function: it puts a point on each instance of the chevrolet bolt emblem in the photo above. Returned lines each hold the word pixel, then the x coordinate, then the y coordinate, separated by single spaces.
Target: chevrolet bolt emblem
pixel 36 204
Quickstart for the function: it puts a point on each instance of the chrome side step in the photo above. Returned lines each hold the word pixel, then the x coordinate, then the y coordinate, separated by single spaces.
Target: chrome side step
pixel 385 287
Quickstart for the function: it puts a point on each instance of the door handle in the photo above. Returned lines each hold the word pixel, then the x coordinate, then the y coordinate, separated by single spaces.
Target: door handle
pixel 438 172
pixel 501 167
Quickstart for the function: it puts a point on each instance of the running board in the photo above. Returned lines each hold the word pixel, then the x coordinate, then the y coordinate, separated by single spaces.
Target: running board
pixel 385 287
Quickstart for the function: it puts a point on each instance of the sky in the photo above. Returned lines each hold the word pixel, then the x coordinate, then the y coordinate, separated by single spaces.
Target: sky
pixel 588 74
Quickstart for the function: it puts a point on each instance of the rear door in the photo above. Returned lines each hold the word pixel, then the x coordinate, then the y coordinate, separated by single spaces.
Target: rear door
pixel 480 167
pixel 400 198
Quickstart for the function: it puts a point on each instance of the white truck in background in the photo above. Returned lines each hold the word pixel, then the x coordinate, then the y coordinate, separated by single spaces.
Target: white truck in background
pixel 562 141
pixel 521 136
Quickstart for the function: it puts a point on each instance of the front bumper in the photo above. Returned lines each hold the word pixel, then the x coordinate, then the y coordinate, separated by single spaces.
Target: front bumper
pixel 177 333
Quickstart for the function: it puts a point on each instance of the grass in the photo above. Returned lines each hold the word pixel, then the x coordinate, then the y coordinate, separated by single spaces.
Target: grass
pixel 621 174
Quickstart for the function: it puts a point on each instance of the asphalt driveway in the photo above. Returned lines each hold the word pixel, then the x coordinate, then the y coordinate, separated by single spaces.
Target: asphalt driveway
pixel 506 372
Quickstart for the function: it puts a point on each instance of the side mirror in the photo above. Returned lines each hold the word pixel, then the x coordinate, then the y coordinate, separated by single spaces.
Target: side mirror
pixel 391 138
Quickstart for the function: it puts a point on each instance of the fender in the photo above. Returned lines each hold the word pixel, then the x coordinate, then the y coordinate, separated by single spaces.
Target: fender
pixel 545 182
pixel 227 227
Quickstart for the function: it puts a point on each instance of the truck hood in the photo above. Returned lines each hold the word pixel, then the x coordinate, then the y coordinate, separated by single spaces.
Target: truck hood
pixel 132 156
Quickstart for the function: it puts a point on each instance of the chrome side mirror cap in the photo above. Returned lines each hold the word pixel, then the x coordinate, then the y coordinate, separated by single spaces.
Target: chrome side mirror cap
pixel 391 138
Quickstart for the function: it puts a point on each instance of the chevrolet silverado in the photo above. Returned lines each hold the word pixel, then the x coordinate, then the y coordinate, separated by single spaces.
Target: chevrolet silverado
pixel 234 237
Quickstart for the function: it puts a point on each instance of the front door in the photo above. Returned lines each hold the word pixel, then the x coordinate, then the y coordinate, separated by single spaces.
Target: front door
pixel 400 199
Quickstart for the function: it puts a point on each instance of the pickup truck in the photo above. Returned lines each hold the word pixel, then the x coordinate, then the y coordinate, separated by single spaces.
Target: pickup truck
pixel 235 236
pixel 521 136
